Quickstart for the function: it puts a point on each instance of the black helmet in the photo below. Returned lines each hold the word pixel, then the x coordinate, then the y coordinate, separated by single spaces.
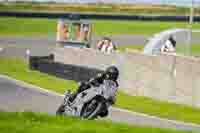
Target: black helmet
pixel 106 38
pixel 112 73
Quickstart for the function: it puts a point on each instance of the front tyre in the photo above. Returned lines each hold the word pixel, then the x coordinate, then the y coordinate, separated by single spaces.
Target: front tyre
pixel 60 110
pixel 91 109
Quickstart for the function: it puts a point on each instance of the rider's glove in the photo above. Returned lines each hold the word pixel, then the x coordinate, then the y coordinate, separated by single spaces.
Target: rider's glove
pixel 83 86
pixel 112 100
pixel 98 80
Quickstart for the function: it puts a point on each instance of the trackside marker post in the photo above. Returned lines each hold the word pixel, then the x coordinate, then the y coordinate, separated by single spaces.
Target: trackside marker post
pixel 1 49
pixel 28 52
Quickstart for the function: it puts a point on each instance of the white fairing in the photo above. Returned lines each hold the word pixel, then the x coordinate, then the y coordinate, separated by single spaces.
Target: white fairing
pixel 107 90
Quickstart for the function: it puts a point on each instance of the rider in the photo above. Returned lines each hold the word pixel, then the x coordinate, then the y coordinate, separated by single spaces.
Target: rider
pixel 169 46
pixel 111 73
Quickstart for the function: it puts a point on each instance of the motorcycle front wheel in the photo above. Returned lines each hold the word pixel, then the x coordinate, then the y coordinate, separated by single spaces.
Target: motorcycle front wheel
pixel 60 110
pixel 91 109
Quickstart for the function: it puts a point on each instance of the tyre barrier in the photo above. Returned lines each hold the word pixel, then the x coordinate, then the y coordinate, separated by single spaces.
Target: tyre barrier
pixel 47 65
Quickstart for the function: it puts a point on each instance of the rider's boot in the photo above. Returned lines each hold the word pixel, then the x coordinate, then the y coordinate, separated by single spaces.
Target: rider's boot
pixel 72 97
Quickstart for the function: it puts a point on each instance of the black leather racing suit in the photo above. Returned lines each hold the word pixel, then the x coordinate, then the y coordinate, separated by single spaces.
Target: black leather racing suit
pixel 96 81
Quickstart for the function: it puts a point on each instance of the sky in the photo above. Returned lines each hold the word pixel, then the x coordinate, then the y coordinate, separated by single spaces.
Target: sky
pixel 169 2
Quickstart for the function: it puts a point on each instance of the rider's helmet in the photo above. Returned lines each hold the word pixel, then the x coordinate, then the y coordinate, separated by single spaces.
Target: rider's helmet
pixel 106 38
pixel 112 73
pixel 173 41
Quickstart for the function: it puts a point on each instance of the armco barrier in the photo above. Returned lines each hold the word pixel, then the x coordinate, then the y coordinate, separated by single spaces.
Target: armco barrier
pixel 164 77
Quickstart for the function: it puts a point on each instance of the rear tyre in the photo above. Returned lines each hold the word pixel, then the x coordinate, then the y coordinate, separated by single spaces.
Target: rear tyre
pixel 92 109
pixel 104 112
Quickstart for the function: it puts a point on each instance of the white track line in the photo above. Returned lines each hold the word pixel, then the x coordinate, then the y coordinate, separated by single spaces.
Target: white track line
pixel 21 83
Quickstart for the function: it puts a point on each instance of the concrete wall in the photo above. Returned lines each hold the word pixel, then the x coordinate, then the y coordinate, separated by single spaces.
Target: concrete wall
pixel 165 77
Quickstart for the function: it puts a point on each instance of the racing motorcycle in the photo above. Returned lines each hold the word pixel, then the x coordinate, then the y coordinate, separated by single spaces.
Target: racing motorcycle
pixel 91 103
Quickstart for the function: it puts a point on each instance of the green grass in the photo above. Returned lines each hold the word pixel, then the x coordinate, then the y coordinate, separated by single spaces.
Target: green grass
pixel 130 47
pixel 27 27
pixel 158 108
pixel 195 49
pixel 183 49
pixel 11 26
pixel 42 123
pixel 96 8
pixel 19 70
pixel 134 27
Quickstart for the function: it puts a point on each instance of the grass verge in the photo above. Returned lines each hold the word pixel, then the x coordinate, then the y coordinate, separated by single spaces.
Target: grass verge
pixel 123 48
pixel 95 8
pixel 11 26
pixel 31 123
pixel 18 69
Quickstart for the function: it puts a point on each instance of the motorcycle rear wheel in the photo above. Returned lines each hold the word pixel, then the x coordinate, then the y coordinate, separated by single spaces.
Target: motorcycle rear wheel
pixel 91 109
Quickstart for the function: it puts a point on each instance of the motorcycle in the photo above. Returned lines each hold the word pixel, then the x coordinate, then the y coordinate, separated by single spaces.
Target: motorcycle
pixel 91 103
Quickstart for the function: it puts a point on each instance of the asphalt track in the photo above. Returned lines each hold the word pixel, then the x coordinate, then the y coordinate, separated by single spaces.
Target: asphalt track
pixel 41 46
pixel 118 39
pixel 19 96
